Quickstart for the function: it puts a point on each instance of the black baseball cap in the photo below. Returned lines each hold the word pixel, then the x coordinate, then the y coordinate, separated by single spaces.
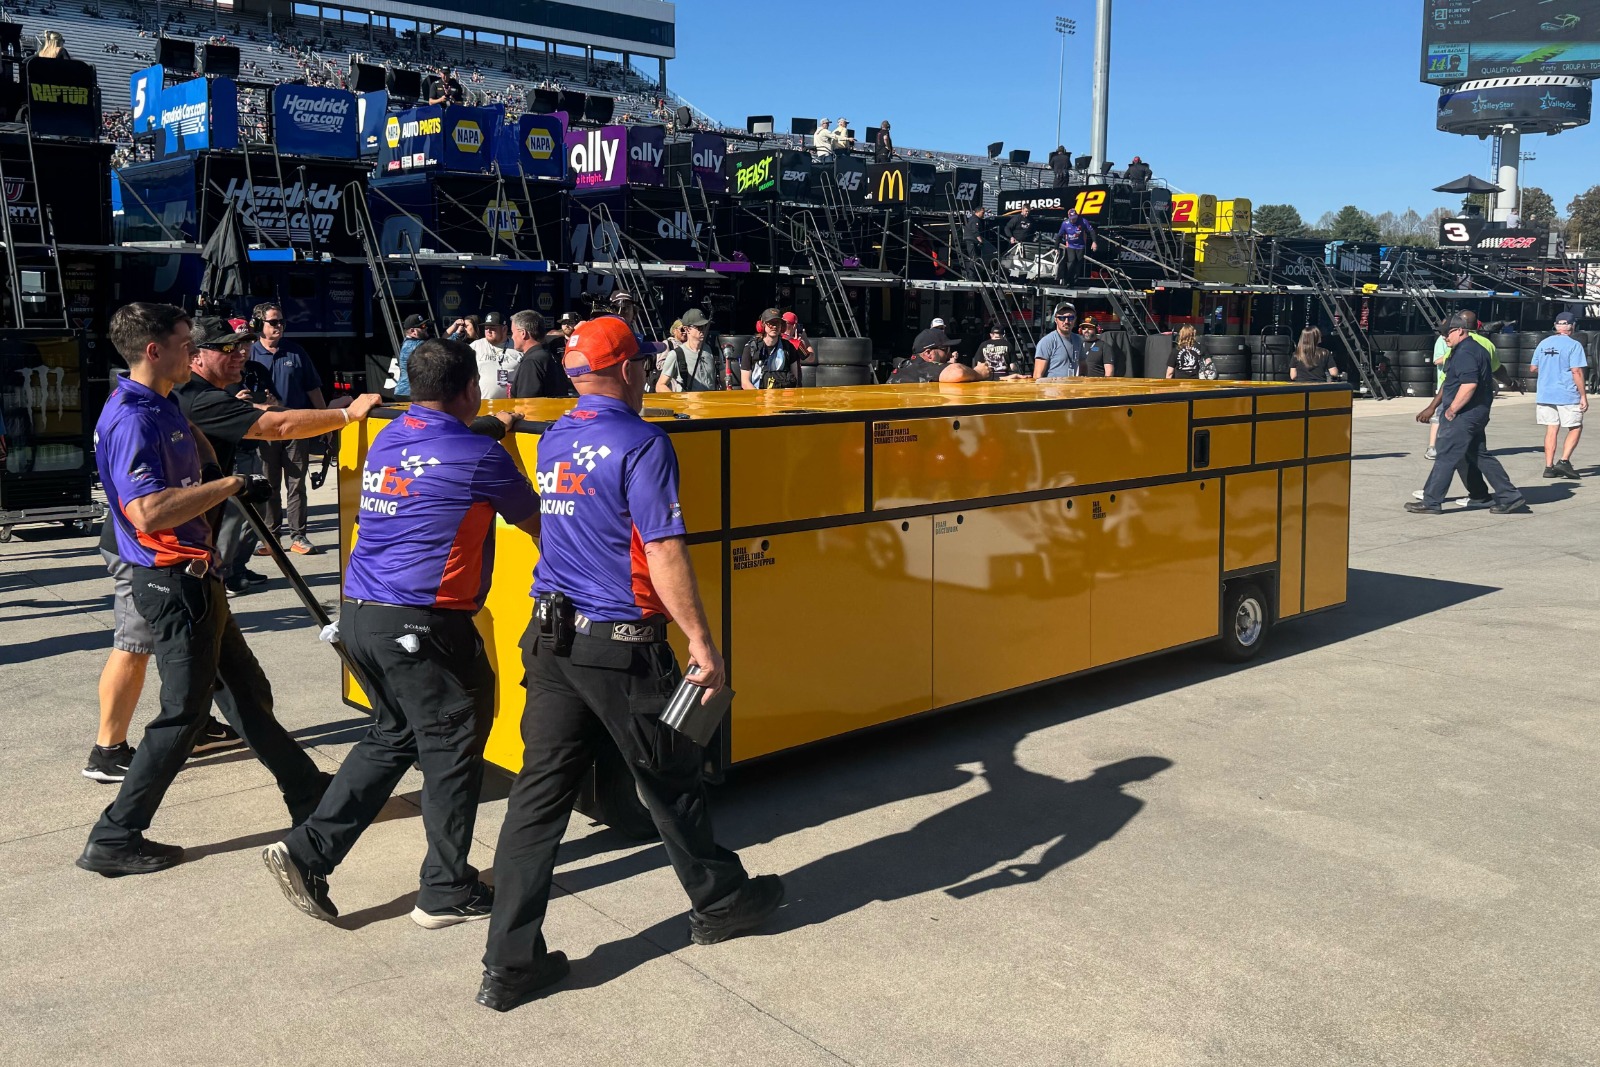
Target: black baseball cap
pixel 930 339
pixel 570 318
pixel 619 297
pixel 413 321
pixel 772 315
pixel 1460 320
pixel 211 332
pixel 494 318
pixel 1567 317
pixel 695 317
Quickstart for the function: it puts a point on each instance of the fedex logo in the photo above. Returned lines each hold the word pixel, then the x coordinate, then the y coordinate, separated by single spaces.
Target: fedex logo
pixel 563 481
pixel 386 482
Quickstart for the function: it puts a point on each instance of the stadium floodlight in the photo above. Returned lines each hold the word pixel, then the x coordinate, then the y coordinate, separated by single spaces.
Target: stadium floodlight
pixel 1066 28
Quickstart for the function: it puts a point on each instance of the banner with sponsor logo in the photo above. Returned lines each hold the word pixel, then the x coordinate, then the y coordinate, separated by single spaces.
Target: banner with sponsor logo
pixel 144 97
pixel 305 210
pixel 469 134
pixel 198 114
pixel 654 219
pixel 63 99
pixel 850 177
pixel 1476 234
pixel 541 143
pixel 372 109
pixel 710 150
pixel 966 187
pixel 901 184
pixel 309 121
pixel 412 140
pixel 597 159
pixel 1093 203
pixel 647 148
pixel 754 174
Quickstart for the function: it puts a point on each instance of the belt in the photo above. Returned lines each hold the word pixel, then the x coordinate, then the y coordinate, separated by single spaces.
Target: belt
pixel 194 568
pixel 644 632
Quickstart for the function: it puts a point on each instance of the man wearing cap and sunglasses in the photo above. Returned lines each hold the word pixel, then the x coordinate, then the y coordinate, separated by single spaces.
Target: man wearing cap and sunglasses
pixel 613 569
pixel 933 360
pixel 1465 397
pixel 297 385
pixel 1059 353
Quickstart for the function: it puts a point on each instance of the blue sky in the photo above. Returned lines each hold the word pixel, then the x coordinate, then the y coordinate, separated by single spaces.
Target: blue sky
pixel 1317 104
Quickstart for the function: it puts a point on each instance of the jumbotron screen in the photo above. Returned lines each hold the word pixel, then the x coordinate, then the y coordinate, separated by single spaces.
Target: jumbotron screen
pixel 1464 39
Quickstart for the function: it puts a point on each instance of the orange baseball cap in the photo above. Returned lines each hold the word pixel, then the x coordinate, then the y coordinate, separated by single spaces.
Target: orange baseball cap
pixel 597 344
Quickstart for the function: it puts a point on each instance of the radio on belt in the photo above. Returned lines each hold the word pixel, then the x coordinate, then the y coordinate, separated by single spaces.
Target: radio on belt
pixel 695 720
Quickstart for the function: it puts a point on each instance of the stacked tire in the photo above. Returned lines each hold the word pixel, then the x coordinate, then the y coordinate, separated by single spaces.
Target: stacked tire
pixel 841 361
pixel 1414 368
pixel 1230 354
pixel 1269 357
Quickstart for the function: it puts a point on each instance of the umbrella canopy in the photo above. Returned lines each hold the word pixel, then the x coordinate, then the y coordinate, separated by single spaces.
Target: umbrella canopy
pixel 226 260
pixel 1468 184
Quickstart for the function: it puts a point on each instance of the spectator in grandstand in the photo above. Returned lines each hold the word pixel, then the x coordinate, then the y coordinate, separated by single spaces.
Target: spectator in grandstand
pixel 538 371
pixel 883 151
pixel 416 331
pixel 53 46
pixel 497 361
pixel 822 140
pixel 843 139
pixel 1559 361
pixel 769 361
pixel 297 385
pixel 1097 358
pixel 1311 362
pixel 1020 228
pixel 1138 172
pixel 933 360
pixel 692 366
pixel 1186 360
pixel 1076 236
pixel 1061 166
pixel 1059 353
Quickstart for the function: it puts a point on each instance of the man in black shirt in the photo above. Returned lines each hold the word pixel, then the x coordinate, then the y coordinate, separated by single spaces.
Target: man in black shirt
pixel 1138 172
pixel 1061 166
pixel 883 150
pixel 1020 227
pixel 538 373
pixel 1465 395
pixel 770 361
pixel 932 361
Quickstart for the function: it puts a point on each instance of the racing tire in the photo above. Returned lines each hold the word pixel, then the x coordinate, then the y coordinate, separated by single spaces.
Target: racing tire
pixel 1246 618
pixel 1413 357
pixel 1232 368
pixel 1406 341
pixel 828 377
pixel 808 376
pixel 843 351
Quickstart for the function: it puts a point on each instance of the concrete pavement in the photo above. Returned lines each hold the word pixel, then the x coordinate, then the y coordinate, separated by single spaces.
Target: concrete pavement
pixel 1376 846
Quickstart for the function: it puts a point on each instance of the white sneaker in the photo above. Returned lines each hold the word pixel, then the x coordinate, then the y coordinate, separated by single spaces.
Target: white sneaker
pixel 1431 453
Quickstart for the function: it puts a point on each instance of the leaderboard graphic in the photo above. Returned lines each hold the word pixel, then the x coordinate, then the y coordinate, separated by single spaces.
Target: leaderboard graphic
pixel 1463 39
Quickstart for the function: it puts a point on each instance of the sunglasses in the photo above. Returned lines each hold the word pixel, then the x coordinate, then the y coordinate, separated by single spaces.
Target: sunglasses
pixel 1065 318
pixel 228 349
pixel 272 322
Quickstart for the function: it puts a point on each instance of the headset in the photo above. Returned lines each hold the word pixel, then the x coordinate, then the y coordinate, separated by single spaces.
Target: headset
pixel 258 313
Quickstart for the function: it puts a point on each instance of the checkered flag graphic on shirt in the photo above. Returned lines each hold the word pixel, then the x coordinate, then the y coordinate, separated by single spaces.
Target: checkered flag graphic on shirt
pixel 587 456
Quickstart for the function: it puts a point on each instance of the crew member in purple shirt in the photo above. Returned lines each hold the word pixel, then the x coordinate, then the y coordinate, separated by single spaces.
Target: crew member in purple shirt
pixel 424 551
pixel 159 495
pixel 1075 236
pixel 613 569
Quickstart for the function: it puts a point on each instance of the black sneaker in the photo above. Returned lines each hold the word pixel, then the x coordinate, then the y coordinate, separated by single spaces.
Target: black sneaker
pixel 504 990
pixel 1564 469
pixel 299 813
pixel 1417 507
pixel 254 577
pixel 215 737
pixel 237 587
pixel 1551 472
pixel 306 891
pixel 109 764
pixel 756 903
pixel 478 905
pixel 141 857
pixel 1518 506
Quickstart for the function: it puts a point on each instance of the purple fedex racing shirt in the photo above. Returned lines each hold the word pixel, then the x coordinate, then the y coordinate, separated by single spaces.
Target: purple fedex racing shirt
pixel 429 493
pixel 142 446
pixel 608 483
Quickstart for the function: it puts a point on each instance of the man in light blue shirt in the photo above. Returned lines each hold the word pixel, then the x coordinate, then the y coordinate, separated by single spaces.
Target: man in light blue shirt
pixel 1059 353
pixel 1560 362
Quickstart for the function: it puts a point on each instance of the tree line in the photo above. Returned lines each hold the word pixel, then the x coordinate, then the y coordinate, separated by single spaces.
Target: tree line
pixel 1580 225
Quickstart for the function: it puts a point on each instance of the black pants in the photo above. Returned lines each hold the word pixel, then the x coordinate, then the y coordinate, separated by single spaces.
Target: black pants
pixel 1462 446
pixel 433 706
pixel 287 464
pixel 197 646
pixel 1070 264
pixel 618 689
pixel 235 539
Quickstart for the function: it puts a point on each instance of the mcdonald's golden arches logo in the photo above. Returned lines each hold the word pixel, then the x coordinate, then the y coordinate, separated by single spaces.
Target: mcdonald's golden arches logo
pixel 892 186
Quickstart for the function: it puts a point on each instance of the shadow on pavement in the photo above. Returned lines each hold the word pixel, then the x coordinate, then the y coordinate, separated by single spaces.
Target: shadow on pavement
pixel 974 845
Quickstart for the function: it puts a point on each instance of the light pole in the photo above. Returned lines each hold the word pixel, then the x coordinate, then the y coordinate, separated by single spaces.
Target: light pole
pixel 1066 28
pixel 1522 179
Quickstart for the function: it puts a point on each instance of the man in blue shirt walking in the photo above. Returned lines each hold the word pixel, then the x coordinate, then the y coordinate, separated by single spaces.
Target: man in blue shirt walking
pixel 1560 362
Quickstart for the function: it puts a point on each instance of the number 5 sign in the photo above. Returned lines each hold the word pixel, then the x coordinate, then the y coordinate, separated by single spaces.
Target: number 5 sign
pixel 145 88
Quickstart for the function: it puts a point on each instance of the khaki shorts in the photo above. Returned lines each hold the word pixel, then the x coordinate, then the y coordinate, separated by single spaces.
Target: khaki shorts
pixel 1567 416
pixel 132 634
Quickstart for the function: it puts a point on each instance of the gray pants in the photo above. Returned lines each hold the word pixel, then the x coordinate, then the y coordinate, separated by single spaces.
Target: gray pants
pixel 287 464
pixel 1462 446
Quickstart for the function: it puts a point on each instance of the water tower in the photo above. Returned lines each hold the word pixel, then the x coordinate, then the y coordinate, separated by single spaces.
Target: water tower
pixel 1509 68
